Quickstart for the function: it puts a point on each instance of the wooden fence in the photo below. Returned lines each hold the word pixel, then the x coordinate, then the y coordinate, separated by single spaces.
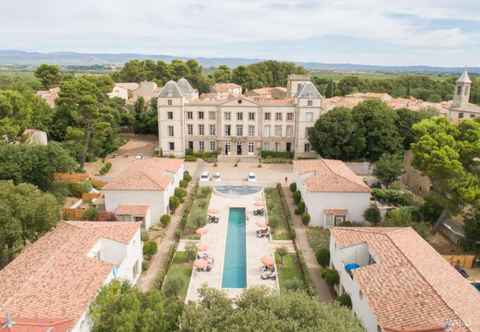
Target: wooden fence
pixel 466 261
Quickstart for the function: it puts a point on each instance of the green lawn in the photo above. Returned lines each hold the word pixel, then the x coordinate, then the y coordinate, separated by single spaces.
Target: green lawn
pixel 288 271
pixel 198 214
pixel 276 217
pixel 180 268
pixel 318 237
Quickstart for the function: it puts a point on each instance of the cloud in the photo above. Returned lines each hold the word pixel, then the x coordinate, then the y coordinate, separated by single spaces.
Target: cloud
pixel 208 28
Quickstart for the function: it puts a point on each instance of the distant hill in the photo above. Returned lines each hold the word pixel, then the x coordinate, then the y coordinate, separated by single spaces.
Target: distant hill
pixel 32 59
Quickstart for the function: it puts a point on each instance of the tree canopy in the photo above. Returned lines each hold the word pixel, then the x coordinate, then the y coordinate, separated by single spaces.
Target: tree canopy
pixel 25 214
pixel 49 75
pixel 448 154
pixel 389 168
pixel 257 309
pixel 35 164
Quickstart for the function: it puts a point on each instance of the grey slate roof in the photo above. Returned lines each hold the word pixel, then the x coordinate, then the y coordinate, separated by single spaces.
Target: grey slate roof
pixel 308 91
pixel 185 86
pixel 171 90
pixel 464 78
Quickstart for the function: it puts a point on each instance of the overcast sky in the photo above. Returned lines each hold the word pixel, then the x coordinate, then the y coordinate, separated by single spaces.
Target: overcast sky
pixel 391 32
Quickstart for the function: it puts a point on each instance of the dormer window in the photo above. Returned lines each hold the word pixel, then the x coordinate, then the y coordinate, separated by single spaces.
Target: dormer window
pixel 310 103
pixel 170 102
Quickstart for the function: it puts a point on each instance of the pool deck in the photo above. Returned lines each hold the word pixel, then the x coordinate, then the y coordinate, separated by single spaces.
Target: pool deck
pixel 216 240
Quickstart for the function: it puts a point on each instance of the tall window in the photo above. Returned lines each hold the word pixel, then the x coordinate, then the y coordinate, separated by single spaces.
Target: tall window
pixel 170 131
pixel 251 131
pixel 278 116
pixel 251 147
pixel 201 145
pixel 201 130
pixel 289 131
pixel 278 131
pixel 171 146
pixel 307 147
pixel 290 116
pixel 190 129
pixel 189 115
pixel 170 115
pixel 213 130
pixel 306 131
pixel 251 116
pixel 239 116
pixel 266 131
pixel 212 146
pixel 239 130
pixel 267 116
pixel 227 116
pixel 309 116
pixel 228 130
pixel 212 115
pixel 201 115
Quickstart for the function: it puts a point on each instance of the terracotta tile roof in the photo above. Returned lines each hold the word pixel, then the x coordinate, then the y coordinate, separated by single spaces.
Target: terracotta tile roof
pixel 153 174
pixel 224 87
pixel 411 286
pixel 328 175
pixel 53 279
pixel 132 210
pixel 128 86
pixel 38 325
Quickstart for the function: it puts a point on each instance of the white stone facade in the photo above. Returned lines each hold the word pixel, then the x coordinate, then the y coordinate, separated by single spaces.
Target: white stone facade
pixel 237 125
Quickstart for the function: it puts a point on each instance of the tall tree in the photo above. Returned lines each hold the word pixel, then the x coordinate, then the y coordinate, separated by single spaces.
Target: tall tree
pixel 49 75
pixel 389 168
pixel 448 154
pixel 222 74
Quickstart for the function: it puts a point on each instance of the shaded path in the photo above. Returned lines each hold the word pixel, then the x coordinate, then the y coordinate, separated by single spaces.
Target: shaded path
pixel 158 261
pixel 314 269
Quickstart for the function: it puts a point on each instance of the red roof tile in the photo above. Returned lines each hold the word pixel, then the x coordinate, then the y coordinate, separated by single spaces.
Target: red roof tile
pixel 329 175
pixel 53 279
pixel 411 286
pixel 132 210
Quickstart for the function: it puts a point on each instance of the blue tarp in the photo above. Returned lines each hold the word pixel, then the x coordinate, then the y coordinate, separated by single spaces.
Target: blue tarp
pixel 351 266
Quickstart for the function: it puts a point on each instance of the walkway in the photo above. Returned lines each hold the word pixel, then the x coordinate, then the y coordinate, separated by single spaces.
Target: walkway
pixel 158 261
pixel 314 269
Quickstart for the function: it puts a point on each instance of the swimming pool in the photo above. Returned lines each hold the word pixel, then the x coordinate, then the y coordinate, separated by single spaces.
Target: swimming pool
pixel 235 263
pixel 237 190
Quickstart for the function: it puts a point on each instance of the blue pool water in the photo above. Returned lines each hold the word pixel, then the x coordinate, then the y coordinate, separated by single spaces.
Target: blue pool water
pixel 235 264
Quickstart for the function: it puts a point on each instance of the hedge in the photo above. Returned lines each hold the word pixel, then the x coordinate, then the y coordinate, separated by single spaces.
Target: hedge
pixel 276 154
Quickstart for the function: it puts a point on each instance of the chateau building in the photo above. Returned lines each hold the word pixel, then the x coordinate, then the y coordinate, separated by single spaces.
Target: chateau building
pixel 461 107
pixel 236 125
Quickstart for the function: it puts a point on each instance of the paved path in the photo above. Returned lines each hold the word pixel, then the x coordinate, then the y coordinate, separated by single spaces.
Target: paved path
pixel 158 261
pixel 314 268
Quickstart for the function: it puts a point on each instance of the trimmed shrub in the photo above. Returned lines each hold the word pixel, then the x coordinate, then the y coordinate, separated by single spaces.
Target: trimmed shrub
pixel 186 176
pixel 165 220
pixel 145 265
pixel 345 223
pixel 394 197
pixel 331 277
pixel 150 248
pixel 183 183
pixel 293 187
pixel 300 208
pixel 306 219
pixel 90 214
pixel 173 203
pixel 297 197
pixel 372 215
pixel 180 193
pixel 190 158
pixel 345 300
pixel 276 154
pixel 173 285
pixel 105 168
pixel 323 256
pixel 191 251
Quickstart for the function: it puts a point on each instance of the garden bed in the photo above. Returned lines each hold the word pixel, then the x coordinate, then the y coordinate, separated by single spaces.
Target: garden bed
pixel 288 272
pixel 318 238
pixel 198 213
pixel 276 217
pixel 178 275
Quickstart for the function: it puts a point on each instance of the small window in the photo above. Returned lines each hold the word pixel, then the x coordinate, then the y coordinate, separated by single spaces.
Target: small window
pixel 310 103
pixel 189 115
pixel 170 115
pixel 227 116
pixel 170 102
pixel 290 116
pixel 472 115
pixel 201 115
pixel 278 116
pixel 171 146
pixel 461 115
pixel 267 116
pixel 307 147
pixel 239 116
pixel 251 116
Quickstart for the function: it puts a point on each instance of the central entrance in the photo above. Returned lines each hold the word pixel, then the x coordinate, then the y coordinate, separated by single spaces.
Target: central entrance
pixel 239 149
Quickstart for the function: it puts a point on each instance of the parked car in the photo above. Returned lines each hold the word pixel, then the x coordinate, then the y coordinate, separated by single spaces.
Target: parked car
pixel 205 176
pixel 139 156
pixel 251 177
pixel 216 177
